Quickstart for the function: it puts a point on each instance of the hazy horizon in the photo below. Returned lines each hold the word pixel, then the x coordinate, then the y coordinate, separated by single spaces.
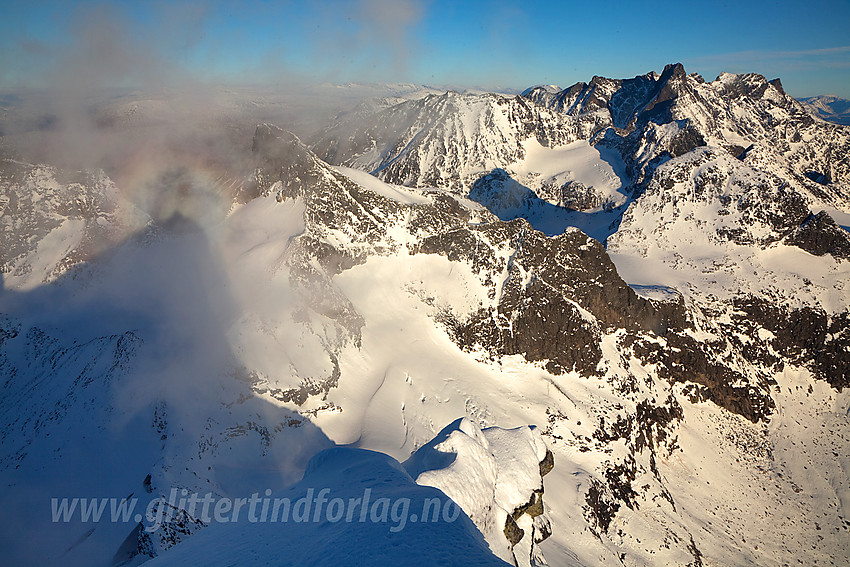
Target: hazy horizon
pixel 78 46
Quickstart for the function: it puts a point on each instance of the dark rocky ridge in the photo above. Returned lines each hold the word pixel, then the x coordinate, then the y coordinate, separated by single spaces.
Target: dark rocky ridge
pixel 818 234
pixel 809 336
pixel 558 295
pixel 561 294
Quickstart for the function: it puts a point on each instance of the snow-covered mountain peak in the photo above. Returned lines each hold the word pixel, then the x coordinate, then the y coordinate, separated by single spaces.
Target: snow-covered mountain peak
pixel 635 287
pixel 540 88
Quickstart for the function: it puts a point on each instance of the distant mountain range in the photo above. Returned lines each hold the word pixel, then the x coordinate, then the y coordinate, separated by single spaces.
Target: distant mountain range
pixel 830 108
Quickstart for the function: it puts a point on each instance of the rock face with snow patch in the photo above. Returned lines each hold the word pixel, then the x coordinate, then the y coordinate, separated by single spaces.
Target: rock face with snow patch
pixel 495 476
pixel 818 234
pixel 443 140
pixel 69 215
pixel 550 294
pixel 829 108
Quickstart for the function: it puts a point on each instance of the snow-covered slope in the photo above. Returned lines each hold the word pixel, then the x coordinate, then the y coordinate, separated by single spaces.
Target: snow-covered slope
pixel 715 227
pixel 384 536
pixel 220 347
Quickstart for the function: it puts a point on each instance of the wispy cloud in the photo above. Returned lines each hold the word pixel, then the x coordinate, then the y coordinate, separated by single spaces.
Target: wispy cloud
pixel 825 57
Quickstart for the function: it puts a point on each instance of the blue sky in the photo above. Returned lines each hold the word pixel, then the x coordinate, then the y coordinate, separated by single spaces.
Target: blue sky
pixel 459 44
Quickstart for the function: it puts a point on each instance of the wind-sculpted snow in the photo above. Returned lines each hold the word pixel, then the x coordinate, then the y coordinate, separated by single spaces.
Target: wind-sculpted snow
pixel 391 537
pixel 495 475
